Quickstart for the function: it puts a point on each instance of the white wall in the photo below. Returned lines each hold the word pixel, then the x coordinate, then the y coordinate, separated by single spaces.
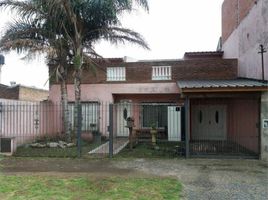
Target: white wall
pixel 244 42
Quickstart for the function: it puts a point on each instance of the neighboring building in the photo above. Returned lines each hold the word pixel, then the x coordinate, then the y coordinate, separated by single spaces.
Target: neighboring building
pixel 20 92
pixel 244 29
pixel 222 108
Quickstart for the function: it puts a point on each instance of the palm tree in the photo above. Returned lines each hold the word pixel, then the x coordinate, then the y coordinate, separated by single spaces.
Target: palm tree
pixel 27 36
pixel 88 21
pixel 81 23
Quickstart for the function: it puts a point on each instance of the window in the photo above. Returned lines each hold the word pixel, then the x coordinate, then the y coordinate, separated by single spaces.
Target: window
pixel 200 116
pixel 217 117
pixel 116 74
pixel 154 114
pixel 161 73
pixel 90 115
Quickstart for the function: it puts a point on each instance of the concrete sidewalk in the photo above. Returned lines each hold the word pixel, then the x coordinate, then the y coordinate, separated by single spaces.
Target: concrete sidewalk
pixel 118 145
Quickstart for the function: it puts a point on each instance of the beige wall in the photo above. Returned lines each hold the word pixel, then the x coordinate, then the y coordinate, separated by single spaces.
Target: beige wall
pixel 244 42
pixel 32 94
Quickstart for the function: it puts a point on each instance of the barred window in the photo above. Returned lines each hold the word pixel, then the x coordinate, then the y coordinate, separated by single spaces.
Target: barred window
pixel 154 114
pixel 116 74
pixel 161 73
pixel 90 115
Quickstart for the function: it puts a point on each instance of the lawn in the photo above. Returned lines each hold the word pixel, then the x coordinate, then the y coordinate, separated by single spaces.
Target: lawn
pixel 145 150
pixel 40 187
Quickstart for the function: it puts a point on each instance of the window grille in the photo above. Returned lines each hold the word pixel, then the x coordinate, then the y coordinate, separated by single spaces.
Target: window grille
pixel 161 73
pixel 90 115
pixel 116 74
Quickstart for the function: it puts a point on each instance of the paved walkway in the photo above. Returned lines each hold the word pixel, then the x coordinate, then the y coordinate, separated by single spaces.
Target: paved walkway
pixel 118 145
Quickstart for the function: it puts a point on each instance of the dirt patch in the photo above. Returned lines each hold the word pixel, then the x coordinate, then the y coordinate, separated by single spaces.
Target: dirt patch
pixel 65 167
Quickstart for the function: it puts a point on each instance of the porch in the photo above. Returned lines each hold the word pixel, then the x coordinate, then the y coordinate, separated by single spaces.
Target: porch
pixel 222 117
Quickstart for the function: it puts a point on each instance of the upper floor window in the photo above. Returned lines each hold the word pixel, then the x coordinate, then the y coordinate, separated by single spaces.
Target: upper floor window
pixel 116 73
pixel 161 73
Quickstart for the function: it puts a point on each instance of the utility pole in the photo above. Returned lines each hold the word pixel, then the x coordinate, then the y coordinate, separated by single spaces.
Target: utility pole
pixel 262 51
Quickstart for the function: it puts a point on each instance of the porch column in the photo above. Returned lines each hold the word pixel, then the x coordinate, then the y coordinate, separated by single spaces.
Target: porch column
pixel 187 125
pixel 264 126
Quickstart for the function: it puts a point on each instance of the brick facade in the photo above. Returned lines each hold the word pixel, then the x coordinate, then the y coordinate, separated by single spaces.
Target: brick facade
pixel 7 92
pixel 24 93
pixel 233 12
pixel 141 72
pixel 32 94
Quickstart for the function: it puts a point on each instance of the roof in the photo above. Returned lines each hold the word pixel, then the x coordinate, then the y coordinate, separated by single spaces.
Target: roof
pixel 222 85
pixel 203 55
pixel 14 92
pixel 160 60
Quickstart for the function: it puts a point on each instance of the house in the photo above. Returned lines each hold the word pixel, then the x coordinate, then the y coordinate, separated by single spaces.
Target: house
pixel 24 93
pixel 215 101
pixel 221 109
pixel 244 32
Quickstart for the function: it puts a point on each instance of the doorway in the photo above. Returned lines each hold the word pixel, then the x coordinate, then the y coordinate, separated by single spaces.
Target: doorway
pixel 209 122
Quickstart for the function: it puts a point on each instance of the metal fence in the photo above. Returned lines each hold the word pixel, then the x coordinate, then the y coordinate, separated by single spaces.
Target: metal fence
pixel 224 127
pixel 159 128
pixel 29 121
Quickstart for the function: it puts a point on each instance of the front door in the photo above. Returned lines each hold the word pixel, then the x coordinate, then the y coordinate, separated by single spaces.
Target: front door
pixel 121 129
pixel 209 122
pixel 174 123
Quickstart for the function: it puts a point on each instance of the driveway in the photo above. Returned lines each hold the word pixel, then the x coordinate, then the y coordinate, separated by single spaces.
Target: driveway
pixel 201 178
pixel 209 178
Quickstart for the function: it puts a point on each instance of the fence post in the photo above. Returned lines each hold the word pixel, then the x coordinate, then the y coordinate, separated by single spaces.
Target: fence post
pixel 187 126
pixel 79 129
pixel 111 130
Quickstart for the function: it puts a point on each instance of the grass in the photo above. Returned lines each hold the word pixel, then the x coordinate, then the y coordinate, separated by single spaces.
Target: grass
pixel 39 187
pixel 71 152
pixel 145 150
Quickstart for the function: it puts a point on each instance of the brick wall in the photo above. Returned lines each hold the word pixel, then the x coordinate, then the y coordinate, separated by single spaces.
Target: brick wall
pixel 32 94
pixel 233 12
pixel 141 72
pixel 7 92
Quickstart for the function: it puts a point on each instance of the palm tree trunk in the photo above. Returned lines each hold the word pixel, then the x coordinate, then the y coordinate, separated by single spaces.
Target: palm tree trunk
pixel 65 109
pixel 78 109
pixel 77 90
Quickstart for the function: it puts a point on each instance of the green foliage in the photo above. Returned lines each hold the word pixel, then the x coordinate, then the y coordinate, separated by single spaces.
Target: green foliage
pixel 51 187
pixel 77 61
pixel 146 150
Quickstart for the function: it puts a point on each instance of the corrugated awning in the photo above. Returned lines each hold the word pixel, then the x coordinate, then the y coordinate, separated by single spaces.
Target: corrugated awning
pixel 222 85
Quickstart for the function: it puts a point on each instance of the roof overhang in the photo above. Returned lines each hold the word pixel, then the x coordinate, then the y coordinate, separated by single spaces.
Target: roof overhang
pixel 234 85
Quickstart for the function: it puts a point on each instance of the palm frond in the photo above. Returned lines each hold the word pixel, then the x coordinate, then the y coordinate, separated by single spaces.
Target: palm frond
pixel 24 8
pixel 121 35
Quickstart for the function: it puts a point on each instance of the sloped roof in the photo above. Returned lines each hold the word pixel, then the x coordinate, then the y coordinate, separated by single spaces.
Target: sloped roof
pixel 204 53
pixel 222 85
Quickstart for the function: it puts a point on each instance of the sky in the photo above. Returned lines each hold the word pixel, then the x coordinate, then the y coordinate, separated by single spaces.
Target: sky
pixel 171 28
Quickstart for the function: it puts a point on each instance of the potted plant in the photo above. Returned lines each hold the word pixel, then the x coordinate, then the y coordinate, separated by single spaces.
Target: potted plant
pixel 153 132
